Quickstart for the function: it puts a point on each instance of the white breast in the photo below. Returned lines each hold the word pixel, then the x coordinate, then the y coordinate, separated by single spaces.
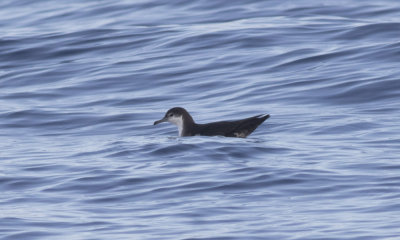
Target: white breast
pixel 178 121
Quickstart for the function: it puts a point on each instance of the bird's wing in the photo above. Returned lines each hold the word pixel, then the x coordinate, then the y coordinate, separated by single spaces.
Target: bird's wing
pixel 216 128
pixel 239 128
pixel 246 126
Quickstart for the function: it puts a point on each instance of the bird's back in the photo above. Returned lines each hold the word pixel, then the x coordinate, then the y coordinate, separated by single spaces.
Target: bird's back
pixel 239 128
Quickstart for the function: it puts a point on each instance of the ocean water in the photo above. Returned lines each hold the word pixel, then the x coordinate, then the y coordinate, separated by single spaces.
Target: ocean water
pixel 81 83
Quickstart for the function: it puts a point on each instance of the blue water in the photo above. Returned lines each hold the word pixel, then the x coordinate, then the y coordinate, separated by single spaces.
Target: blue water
pixel 81 83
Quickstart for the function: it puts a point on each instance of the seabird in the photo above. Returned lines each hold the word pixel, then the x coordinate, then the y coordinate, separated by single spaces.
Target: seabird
pixel 187 127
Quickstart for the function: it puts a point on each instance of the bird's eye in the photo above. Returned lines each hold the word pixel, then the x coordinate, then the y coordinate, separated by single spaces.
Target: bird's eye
pixel 170 115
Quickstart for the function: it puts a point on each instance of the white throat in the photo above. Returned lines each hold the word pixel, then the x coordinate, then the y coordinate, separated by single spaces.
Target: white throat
pixel 178 121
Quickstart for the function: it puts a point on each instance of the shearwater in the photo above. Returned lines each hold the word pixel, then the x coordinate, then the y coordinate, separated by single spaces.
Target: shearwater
pixel 187 127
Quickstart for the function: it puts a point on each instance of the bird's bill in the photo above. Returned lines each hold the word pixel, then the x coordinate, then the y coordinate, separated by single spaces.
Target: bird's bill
pixel 160 121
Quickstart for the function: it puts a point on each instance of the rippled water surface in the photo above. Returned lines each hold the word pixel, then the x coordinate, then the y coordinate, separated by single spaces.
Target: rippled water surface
pixel 81 83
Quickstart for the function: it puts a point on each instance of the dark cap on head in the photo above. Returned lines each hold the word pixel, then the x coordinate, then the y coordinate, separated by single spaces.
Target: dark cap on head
pixel 176 112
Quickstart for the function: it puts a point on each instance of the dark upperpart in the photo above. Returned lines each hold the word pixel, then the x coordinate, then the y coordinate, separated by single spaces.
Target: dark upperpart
pixel 187 127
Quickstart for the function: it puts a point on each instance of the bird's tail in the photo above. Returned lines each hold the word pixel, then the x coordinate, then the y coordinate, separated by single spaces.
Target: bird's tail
pixel 263 117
